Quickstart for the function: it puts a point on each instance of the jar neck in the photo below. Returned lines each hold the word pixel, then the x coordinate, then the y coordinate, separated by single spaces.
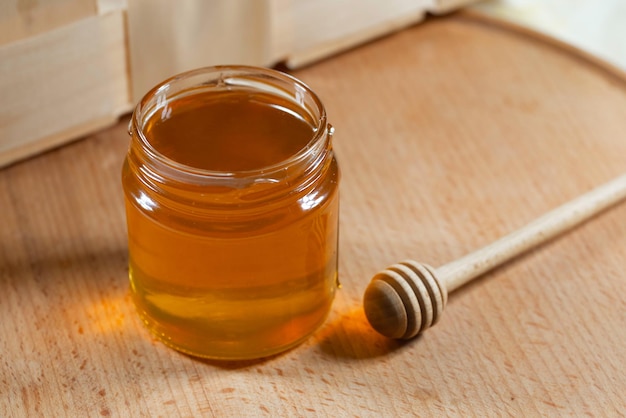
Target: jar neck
pixel 202 187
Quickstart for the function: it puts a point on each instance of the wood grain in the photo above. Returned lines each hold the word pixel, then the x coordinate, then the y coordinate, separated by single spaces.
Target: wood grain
pixel 450 135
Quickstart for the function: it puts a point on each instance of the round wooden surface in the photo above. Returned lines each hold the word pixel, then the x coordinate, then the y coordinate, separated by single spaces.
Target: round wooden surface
pixel 450 134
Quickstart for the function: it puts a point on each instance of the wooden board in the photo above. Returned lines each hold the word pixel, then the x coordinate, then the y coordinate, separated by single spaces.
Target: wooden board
pixel 450 134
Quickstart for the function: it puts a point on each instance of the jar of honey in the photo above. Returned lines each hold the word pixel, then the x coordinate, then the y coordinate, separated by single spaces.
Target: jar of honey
pixel 231 190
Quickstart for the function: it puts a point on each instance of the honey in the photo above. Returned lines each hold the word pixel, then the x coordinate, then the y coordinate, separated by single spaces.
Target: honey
pixel 229 131
pixel 231 189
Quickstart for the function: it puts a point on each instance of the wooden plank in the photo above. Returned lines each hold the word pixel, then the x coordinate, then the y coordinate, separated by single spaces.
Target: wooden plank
pixel 318 29
pixel 321 28
pixel 108 6
pixel 62 84
pixel 449 134
pixel 21 19
pixel 167 38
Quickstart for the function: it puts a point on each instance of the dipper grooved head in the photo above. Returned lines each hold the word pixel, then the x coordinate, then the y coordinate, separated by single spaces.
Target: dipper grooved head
pixel 404 300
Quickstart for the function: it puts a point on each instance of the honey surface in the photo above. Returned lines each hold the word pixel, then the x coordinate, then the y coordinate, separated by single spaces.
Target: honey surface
pixel 229 131
pixel 251 291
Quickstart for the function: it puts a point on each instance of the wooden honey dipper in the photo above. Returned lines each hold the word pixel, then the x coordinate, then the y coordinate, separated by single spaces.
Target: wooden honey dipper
pixel 409 297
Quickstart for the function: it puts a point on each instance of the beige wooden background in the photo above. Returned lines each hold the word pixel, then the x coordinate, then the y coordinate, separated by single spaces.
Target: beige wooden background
pixel 69 67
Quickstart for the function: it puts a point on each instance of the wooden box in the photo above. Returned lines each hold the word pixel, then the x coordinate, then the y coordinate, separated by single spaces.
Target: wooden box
pixel 70 67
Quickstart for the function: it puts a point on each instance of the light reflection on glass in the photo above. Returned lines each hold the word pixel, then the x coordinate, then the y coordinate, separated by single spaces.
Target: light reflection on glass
pixel 145 202
pixel 310 201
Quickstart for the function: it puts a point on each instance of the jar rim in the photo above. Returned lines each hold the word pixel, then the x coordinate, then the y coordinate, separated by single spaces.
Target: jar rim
pixel 228 75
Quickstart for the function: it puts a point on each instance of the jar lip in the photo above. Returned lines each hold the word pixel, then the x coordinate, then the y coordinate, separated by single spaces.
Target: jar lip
pixel 232 71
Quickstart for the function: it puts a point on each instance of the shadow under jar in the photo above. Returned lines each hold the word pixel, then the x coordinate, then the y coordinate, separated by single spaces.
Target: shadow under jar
pixel 232 207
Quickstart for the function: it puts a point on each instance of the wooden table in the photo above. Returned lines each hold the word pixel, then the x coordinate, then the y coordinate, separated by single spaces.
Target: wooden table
pixel 450 134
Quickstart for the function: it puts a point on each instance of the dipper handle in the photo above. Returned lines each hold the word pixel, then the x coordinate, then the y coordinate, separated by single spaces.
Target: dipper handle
pixel 407 298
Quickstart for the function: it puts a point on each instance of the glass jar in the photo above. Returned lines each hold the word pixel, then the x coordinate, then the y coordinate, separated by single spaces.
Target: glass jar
pixel 230 260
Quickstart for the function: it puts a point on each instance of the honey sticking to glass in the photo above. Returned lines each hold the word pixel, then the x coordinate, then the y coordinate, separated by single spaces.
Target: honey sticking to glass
pixel 232 212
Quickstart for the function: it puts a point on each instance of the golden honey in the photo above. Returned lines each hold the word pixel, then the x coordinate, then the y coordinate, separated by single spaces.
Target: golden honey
pixel 231 189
